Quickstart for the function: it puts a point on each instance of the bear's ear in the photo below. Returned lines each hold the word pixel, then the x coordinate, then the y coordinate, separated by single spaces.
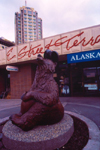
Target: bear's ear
pixel 54 56
pixel 47 54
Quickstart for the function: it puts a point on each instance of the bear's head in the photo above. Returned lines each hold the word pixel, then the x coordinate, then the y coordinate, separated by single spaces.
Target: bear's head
pixel 48 63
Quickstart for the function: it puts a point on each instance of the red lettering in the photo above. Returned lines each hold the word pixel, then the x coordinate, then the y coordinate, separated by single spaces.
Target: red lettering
pixel 32 51
pixel 38 49
pixel 22 53
pixel 97 40
pixel 49 45
pixel 9 53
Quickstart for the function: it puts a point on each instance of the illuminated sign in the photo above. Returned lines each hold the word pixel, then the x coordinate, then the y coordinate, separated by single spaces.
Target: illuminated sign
pixel 11 68
pixel 83 56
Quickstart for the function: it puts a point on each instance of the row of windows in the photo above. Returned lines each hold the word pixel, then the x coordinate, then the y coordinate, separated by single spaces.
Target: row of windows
pixel 29 36
pixel 29 12
pixel 30 16
pixel 28 32
pixel 28 29
pixel 30 19
pixel 30 26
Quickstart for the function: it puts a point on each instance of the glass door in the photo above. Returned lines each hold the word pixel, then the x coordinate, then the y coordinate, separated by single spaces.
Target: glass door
pixel 64 88
pixel 77 84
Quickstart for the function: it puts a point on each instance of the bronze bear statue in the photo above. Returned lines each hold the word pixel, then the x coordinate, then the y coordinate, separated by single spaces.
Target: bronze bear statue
pixel 41 104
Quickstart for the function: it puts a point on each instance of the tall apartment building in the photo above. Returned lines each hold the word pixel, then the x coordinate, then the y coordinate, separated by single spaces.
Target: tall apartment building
pixel 28 26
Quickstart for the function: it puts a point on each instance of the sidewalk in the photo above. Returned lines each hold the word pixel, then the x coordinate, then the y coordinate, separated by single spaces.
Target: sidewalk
pixel 9 103
pixel 86 106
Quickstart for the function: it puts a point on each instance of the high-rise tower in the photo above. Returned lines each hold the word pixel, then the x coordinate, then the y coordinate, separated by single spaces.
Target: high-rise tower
pixel 28 27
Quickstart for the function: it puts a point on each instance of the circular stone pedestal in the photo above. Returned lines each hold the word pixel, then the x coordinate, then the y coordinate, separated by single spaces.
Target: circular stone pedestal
pixel 47 137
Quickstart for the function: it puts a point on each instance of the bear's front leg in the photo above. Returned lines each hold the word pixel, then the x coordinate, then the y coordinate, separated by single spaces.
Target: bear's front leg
pixel 26 96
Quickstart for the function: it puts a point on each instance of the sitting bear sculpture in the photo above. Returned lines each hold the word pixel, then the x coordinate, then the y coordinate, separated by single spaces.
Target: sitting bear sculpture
pixel 41 104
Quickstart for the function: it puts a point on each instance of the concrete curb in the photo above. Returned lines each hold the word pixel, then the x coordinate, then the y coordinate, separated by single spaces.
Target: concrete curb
pixel 4 120
pixel 94 132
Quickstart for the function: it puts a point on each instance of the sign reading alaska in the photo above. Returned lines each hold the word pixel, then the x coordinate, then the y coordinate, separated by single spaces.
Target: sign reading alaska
pixel 83 56
pixel 82 40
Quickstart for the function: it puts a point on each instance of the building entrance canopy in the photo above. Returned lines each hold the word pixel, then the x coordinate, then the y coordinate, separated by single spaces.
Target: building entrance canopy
pixel 71 42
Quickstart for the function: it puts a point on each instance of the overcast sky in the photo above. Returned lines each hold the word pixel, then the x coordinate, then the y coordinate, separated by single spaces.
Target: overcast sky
pixel 58 16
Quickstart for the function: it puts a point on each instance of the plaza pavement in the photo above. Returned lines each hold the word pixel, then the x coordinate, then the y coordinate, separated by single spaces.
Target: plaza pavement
pixel 86 106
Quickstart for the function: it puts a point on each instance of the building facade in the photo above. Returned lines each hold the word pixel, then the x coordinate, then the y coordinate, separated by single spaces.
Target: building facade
pixel 78 70
pixel 28 26
pixel 4 43
pixel 4 74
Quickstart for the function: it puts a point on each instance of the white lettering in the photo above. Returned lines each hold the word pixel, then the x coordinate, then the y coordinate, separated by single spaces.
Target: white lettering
pixel 73 58
pixel 92 55
pixel 98 55
pixel 82 57
pixel 77 57
pixel 87 55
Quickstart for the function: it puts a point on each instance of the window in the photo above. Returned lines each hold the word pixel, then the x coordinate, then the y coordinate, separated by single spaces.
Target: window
pixel 29 19
pixel 25 35
pixel 25 39
pixel 34 20
pixel 19 31
pixel 30 32
pixel 19 25
pixel 18 21
pixel 30 36
pixel 29 22
pixel 39 20
pixel 29 12
pixel 18 15
pixel 30 26
pixel 34 13
pixel 25 25
pixel 25 18
pixel 30 39
pixel 19 35
pixel 25 28
pixel 18 18
pixel 29 15
pixel 25 32
pixel 19 38
pixel 25 15
pixel 19 28
pixel 25 21
pixel 25 11
pixel 30 29
pixel 28 8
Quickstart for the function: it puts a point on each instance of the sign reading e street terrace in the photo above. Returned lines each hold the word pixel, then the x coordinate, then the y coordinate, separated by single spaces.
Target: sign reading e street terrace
pixel 67 43
pixel 83 56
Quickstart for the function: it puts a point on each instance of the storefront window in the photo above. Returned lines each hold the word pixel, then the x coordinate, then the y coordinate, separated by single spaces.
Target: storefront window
pixel 64 88
pixel 90 80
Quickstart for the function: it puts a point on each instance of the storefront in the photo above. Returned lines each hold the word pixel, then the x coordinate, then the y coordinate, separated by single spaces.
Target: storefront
pixel 78 72
pixel 79 79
